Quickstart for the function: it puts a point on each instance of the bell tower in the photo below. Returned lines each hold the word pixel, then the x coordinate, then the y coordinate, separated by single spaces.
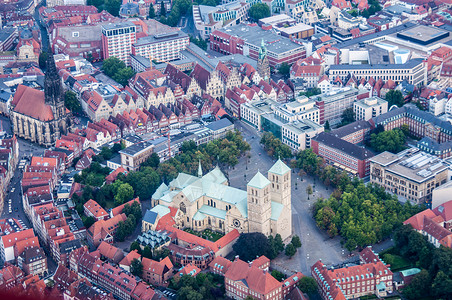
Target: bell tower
pixel 53 90
pixel 259 204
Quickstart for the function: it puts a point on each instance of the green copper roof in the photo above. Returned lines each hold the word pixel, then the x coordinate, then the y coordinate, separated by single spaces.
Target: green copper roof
pixel 160 191
pixel 161 210
pixel 410 272
pixel 276 210
pixel 259 181
pixel 279 168
pixel 212 211
pixel 199 216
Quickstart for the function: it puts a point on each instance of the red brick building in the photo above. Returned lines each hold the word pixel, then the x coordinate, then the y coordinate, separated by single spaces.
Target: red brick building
pixel 342 154
pixel 372 276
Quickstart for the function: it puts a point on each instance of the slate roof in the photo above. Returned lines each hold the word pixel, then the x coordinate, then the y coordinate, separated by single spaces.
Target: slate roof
pixel 351 149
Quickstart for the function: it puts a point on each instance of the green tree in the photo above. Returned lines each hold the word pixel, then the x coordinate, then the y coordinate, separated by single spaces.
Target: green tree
pixel 327 126
pixel 418 287
pixel 147 252
pixel 308 285
pixel 395 97
pixel 151 11
pixel 88 222
pixel 296 241
pixel 391 140
pixel 113 6
pixel 111 65
pixel 290 250
pixel 43 59
pixel 251 245
pixel 162 9
pixel 135 246
pixel 136 268
pixel 122 76
pixel 199 42
pixel 153 161
pixel 348 116
pixel 259 11
pixel 284 69
pixel 124 194
pixel 71 102
pixel 278 275
pixel 309 190
pixel 442 286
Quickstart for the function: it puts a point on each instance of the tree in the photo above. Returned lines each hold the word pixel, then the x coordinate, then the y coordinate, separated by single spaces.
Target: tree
pixel 136 268
pixel 113 6
pixel 124 194
pixel 278 275
pixel 251 245
pixel 391 140
pixel 162 9
pixel 199 42
pixel 135 246
pixel 284 68
pixel 147 252
pixel 418 287
pixel 395 97
pixel 153 161
pixel 259 11
pixel 290 250
pixel 348 116
pixel 71 102
pixel 308 285
pixel 442 286
pixel 89 221
pixel 296 241
pixel 151 11
pixel 309 190
pixel 43 59
pixel 122 76
pixel 111 65
pixel 327 126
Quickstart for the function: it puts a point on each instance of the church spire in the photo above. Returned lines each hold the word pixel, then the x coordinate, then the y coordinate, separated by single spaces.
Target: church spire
pixel 199 169
pixel 53 89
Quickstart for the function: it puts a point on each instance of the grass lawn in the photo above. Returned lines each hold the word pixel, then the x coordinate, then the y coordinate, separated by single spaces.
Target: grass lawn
pixel 397 262
pixel 109 204
pixel 206 234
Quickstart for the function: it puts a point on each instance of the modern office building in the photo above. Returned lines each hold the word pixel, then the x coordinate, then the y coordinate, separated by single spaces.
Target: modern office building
pixel 297 135
pixel 369 108
pixel 414 71
pixel 333 104
pixel 161 47
pixel 117 40
pixel 411 174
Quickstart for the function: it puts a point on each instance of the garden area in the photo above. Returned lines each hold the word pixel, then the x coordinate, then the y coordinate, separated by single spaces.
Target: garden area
pixel 206 234
pixel 397 262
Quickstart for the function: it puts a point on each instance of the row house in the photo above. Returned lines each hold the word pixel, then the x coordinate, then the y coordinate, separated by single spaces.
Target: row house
pixel 9 157
pixel 9 241
pixel 35 192
pixel 249 74
pixel 113 279
pixel 52 229
pixel 10 277
pixel 161 95
pixel 189 85
pixel 104 230
pixel 236 96
pixel 92 209
pixel 210 82
pixel 229 75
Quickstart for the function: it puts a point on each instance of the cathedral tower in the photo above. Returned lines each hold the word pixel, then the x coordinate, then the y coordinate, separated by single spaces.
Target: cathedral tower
pixel 263 65
pixel 54 97
pixel 259 204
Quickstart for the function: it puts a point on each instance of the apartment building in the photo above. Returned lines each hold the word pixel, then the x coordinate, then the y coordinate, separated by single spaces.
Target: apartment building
pixel 342 154
pixel 300 109
pixel 414 71
pixel 369 108
pixel 117 40
pixel 297 135
pixel 251 112
pixel 33 260
pixel 355 133
pixel 333 104
pixel 208 19
pixel 133 156
pixel 411 174
pixel 371 277
pixel 161 47
pixel 92 209
pixel 247 40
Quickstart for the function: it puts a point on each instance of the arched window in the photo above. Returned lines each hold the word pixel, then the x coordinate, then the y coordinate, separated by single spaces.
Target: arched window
pixel 183 208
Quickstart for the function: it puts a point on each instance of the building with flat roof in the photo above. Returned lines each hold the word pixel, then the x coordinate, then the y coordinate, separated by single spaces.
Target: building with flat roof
pixel 332 104
pixel 411 174
pixel 161 47
pixel 369 108
pixel 208 18
pixel 297 135
pixel 117 40
pixel 287 26
pixel 342 154
pixel 133 156
pixel 414 71
pixel 247 40
pixel 423 34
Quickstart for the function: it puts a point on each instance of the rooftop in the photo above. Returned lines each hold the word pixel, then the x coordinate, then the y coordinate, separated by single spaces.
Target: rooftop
pixel 136 148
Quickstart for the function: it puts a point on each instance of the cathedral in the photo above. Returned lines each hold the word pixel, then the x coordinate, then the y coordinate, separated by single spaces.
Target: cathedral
pixel 263 65
pixel 208 202
pixel 40 116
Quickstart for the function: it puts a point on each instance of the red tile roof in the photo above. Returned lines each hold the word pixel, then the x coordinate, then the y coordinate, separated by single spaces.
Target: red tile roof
pixel 127 261
pixel 30 102
pixel 118 209
pixel 417 221
pixel 111 252
pixel 95 209
pixel 11 239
